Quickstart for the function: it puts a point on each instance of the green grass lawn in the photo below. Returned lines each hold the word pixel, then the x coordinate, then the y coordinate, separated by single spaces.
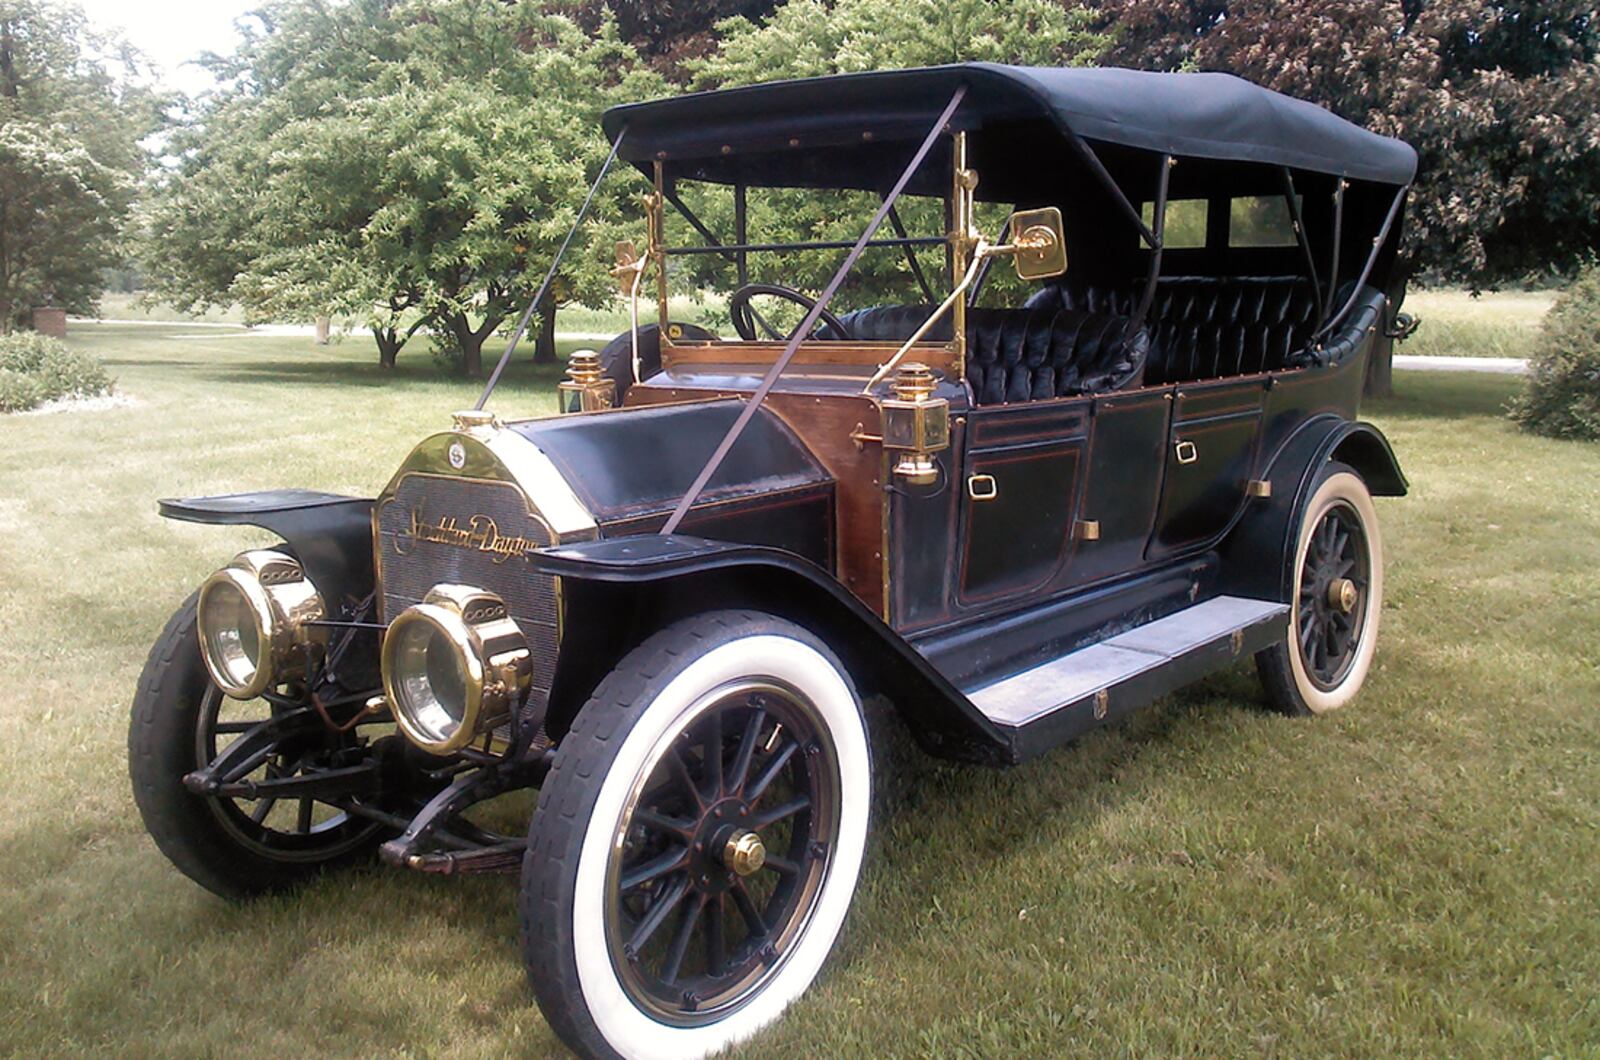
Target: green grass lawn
pixel 1413 876
pixel 116 305
pixel 1493 324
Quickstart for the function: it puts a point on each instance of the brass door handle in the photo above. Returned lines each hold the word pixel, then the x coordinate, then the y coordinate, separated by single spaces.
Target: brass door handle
pixel 1186 452
pixel 982 487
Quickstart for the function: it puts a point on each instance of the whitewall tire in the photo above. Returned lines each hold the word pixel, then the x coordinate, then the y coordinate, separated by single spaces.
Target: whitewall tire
pixel 1336 603
pixel 698 841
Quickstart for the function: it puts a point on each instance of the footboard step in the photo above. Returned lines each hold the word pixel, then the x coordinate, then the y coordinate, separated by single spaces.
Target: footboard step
pixel 1128 670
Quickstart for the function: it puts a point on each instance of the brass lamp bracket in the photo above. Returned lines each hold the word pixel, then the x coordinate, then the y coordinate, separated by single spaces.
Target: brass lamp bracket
pixel 859 437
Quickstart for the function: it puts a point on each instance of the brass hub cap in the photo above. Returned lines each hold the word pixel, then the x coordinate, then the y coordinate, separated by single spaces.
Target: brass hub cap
pixel 1342 594
pixel 744 853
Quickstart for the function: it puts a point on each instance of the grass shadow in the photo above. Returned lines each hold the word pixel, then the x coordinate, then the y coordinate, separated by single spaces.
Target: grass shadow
pixel 1070 786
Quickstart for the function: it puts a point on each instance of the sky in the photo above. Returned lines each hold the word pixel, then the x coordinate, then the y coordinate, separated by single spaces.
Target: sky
pixel 171 32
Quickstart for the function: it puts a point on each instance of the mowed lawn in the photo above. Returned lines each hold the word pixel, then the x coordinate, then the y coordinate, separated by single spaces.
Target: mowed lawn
pixel 1492 324
pixel 1413 876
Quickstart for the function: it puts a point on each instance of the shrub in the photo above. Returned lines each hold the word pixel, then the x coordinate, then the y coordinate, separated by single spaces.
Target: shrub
pixel 18 391
pixel 1563 395
pixel 35 369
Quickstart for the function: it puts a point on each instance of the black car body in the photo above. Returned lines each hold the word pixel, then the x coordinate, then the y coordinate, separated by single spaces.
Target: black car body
pixel 1017 522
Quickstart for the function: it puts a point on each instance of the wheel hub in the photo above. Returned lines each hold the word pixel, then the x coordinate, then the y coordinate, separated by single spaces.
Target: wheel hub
pixel 1343 595
pixel 744 852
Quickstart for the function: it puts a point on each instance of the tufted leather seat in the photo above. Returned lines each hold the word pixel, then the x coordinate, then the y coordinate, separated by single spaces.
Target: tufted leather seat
pixel 1024 354
pixel 1072 337
pixel 1205 327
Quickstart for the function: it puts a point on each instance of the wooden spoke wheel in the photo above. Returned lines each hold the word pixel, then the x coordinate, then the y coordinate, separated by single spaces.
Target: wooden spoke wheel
pixel 280 829
pixel 1338 598
pixel 723 853
pixel 698 840
pixel 234 846
pixel 1334 579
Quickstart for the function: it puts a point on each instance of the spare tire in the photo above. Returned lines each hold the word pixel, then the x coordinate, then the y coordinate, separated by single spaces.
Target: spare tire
pixel 616 359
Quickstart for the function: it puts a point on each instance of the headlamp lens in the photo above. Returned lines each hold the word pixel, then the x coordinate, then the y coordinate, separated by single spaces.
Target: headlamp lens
pixel 231 635
pixel 429 679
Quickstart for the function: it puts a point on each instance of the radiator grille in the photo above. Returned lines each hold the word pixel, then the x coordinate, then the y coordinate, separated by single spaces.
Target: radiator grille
pixel 485 519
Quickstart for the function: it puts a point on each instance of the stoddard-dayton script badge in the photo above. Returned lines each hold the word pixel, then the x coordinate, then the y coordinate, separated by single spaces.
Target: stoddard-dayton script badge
pixel 479 533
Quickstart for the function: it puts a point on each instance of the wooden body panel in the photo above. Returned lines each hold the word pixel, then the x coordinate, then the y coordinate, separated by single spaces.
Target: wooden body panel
pixel 939 356
pixel 824 413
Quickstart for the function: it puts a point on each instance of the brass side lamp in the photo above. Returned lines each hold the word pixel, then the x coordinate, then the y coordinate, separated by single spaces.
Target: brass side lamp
pixel 916 424
pixel 586 388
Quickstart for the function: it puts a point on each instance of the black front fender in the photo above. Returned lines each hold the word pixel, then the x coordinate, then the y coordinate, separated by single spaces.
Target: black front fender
pixel 617 592
pixel 331 534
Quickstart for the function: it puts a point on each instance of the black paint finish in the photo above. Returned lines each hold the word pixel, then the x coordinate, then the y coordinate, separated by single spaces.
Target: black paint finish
pixel 1215 428
pixel 620 590
pixel 1126 458
pixel 331 534
pixel 634 462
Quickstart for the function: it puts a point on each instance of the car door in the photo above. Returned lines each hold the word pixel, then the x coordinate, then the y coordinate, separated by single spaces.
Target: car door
pixel 1123 488
pixel 1210 457
pixel 1021 474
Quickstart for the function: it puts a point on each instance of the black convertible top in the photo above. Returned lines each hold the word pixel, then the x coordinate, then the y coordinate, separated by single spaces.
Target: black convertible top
pixel 742 133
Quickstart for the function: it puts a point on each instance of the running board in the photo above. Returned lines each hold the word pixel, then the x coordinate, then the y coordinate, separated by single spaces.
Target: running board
pixel 1060 699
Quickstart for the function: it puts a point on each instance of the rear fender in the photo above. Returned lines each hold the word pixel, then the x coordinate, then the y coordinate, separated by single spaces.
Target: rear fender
pixel 1257 557
pixel 329 533
pixel 616 592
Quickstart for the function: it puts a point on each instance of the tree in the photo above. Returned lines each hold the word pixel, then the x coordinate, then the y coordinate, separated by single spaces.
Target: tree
pixel 667 32
pixel 810 38
pixel 1496 95
pixel 417 161
pixel 72 113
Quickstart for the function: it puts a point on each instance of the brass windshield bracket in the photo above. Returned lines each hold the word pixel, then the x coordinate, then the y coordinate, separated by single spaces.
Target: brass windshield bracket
pixel 628 272
pixel 655 222
pixel 963 240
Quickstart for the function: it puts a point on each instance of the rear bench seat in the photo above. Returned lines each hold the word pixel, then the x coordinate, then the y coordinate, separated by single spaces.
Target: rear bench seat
pixel 1206 327
pixel 1073 338
pixel 1023 354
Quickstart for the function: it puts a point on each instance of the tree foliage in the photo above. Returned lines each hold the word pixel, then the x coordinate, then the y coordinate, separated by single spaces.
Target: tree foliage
pixel 1498 96
pixel 416 161
pixel 72 112
pixel 667 32
pixel 810 38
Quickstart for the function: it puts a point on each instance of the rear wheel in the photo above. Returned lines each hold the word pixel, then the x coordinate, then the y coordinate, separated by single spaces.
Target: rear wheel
pixel 1337 601
pixel 698 840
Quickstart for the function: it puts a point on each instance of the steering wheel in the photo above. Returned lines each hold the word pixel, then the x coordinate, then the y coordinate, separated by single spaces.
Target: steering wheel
pixel 746 319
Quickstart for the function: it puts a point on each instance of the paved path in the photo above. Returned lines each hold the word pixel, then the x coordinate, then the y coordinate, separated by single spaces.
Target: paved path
pixel 1492 365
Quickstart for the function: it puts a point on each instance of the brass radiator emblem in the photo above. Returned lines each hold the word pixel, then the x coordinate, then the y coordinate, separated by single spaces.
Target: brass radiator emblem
pixel 479 534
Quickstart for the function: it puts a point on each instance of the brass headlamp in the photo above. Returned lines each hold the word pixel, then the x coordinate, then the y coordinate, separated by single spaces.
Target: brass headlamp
pixel 455 668
pixel 253 617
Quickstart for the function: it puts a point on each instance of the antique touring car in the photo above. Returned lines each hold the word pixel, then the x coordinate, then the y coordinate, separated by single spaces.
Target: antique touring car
pixel 1017 516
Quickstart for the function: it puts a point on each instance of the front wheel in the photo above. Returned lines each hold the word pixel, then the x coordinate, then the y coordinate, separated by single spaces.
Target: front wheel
pixel 697 843
pixel 1337 601
pixel 234 847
